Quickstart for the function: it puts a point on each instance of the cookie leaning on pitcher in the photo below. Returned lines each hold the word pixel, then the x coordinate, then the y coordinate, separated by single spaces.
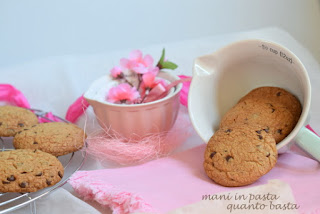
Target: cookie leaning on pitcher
pixel 56 138
pixel 239 155
pixel 273 117
pixel 276 95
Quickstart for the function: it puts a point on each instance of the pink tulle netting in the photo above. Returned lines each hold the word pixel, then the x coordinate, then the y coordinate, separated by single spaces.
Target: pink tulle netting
pixel 103 146
pixel 119 200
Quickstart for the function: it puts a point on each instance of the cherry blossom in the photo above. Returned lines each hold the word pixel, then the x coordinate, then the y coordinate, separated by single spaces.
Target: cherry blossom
pixel 116 72
pixel 123 93
pixel 137 77
pixel 137 62
pixel 149 80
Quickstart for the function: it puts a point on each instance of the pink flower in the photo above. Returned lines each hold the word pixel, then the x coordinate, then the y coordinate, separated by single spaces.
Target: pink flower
pixel 137 62
pixel 123 93
pixel 149 80
pixel 116 72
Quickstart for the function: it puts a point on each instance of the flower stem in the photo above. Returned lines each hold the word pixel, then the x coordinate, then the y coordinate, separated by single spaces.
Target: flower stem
pixel 140 80
pixel 128 82
pixel 144 97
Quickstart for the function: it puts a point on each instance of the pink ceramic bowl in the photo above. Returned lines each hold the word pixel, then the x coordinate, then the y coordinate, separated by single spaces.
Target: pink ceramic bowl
pixel 134 121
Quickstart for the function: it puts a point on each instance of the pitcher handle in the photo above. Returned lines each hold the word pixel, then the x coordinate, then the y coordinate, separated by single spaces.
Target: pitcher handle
pixel 309 142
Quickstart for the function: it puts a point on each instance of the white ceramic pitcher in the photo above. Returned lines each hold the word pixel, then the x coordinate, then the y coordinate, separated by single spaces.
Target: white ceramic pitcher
pixel 222 78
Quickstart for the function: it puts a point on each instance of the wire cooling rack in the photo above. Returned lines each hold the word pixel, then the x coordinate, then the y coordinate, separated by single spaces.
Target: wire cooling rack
pixel 71 162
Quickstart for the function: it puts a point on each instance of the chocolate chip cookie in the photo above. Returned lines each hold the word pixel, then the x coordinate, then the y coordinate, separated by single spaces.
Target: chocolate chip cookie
pixel 272 117
pixel 14 119
pixel 56 138
pixel 27 170
pixel 239 155
pixel 277 95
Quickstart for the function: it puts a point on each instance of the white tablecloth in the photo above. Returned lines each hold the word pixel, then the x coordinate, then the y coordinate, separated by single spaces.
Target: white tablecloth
pixel 52 84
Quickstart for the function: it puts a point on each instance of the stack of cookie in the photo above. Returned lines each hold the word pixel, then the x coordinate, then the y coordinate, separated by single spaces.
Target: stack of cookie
pixel 34 165
pixel 244 148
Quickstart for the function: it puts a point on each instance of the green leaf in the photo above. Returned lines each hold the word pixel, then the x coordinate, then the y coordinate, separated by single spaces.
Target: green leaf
pixel 165 64
pixel 159 64
pixel 169 65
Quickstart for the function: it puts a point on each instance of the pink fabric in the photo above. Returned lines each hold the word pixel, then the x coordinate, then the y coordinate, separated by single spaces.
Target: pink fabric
pixel 13 96
pixel 76 109
pixel 176 181
pixel 311 129
pixel 184 91
pixel 118 200
pixel 51 118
